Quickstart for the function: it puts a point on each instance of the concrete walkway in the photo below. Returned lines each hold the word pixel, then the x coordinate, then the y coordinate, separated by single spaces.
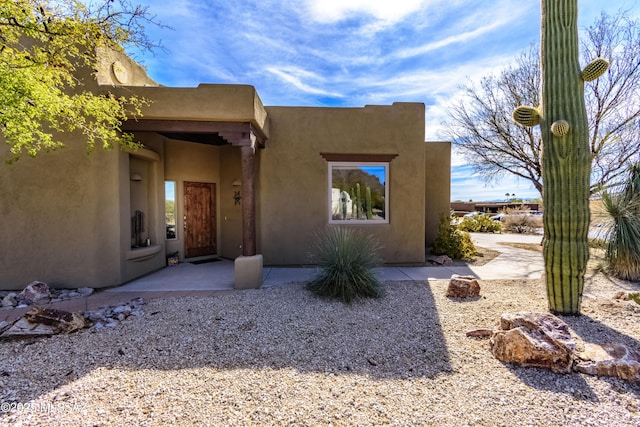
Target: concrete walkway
pixel 216 278
pixel 512 263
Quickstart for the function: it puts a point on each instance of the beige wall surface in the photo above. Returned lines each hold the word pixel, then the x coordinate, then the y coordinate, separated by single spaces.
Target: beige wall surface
pixel 207 102
pixel 116 68
pixel 60 218
pixel 438 186
pixel 230 213
pixel 293 188
pixel 147 196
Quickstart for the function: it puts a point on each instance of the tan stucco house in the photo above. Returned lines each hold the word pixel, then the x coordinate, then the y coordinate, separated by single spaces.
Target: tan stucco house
pixel 221 175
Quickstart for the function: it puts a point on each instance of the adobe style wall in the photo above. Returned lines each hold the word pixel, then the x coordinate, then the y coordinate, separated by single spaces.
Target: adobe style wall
pixel 61 218
pixel 437 186
pixel 293 177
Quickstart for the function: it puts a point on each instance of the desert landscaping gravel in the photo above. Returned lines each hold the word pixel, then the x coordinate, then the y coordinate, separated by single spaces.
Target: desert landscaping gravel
pixel 283 356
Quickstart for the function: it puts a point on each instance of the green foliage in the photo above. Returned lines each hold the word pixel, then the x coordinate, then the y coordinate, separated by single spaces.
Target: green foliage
pixel 170 211
pixel 635 297
pixel 623 236
pixel 346 258
pixel 480 224
pixel 43 46
pixel 454 243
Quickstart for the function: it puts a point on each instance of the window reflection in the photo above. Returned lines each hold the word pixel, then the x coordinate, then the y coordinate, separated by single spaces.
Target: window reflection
pixel 359 192
pixel 170 209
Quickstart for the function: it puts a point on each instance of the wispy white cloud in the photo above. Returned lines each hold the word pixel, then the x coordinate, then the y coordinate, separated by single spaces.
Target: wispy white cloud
pixel 294 76
pixel 442 43
pixel 329 11
pixel 352 52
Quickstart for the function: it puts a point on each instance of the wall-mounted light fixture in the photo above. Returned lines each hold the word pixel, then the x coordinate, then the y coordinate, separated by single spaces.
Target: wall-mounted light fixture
pixel 136 177
pixel 236 193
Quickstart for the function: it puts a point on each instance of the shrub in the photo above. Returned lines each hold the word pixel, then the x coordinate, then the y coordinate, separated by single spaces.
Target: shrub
pixel 454 243
pixel 480 224
pixel 346 258
pixel 522 223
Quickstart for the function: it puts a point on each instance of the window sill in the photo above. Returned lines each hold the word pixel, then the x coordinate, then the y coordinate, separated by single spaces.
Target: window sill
pixel 143 254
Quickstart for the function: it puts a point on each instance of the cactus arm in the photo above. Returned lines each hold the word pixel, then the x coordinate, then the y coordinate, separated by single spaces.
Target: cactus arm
pixel 526 116
pixel 595 69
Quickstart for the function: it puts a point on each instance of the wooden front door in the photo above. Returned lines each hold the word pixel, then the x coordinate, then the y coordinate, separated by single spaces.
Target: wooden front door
pixel 199 219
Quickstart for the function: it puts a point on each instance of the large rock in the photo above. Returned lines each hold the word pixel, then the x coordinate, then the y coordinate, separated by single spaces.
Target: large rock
pixel 35 292
pixel 611 360
pixel 44 321
pixel 9 300
pixel 534 339
pixel 463 287
pixel 440 259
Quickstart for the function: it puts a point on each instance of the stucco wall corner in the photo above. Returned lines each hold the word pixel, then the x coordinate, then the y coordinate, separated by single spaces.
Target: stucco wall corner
pixel 437 186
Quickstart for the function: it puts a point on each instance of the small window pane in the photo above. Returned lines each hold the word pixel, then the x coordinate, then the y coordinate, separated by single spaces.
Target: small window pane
pixel 170 209
pixel 359 192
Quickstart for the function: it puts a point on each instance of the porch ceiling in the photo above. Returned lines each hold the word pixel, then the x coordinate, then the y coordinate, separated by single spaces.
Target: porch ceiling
pixel 212 133
pixel 202 138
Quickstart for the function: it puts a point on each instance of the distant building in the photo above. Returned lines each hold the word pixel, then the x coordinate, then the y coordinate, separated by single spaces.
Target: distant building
pixel 461 208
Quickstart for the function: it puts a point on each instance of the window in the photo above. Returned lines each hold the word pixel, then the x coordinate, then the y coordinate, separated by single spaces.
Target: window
pixel 170 209
pixel 359 192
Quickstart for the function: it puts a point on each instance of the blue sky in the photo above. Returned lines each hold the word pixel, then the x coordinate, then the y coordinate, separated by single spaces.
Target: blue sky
pixel 354 52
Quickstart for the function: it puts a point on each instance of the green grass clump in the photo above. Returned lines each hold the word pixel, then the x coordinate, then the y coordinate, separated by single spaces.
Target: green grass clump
pixel 346 258
pixel 622 252
pixel 454 243
pixel 480 224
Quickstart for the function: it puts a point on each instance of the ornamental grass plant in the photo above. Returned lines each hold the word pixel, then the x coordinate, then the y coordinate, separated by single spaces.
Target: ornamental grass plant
pixel 346 258
pixel 623 234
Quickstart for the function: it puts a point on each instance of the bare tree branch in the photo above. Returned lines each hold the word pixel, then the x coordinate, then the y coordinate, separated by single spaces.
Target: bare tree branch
pixel 481 127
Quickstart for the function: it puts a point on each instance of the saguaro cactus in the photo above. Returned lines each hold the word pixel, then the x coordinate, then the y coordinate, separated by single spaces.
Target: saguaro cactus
pixel 566 157
pixel 358 201
pixel 367 203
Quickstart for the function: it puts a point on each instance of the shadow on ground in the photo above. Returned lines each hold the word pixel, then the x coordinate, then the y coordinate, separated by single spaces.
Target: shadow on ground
pixel 394 337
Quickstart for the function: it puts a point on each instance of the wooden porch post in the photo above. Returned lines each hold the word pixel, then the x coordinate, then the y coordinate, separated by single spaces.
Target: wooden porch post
pixel 247 155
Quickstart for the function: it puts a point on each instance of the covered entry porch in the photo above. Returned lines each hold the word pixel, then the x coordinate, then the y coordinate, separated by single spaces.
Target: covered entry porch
pixel 210 169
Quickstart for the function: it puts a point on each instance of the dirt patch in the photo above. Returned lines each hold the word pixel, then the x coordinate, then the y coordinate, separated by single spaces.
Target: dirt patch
pixel 536 247
pixel 484 256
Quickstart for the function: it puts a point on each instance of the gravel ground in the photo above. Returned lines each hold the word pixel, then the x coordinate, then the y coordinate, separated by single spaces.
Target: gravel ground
pixel 283 356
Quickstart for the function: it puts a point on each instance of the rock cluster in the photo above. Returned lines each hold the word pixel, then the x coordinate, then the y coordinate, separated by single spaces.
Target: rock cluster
pixel 534 339
pixel 109 317
pixel 544 341
pixel 40 321
pixel 44 321
pixel 39 292
pixel 611 360
pixel 440 260
pixel 463 287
